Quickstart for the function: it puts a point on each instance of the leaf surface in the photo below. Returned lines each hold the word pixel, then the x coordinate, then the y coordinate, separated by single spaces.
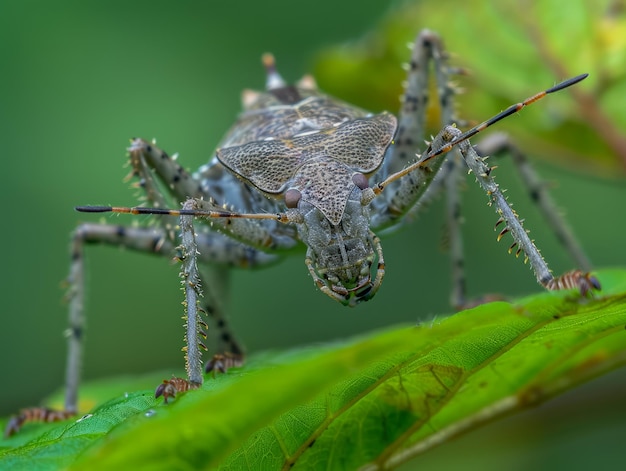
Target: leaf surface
pixel 373 402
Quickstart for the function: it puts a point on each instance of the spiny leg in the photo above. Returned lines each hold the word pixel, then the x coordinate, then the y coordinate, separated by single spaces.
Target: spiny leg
pixel 450 137
pixel 247 228
pixel 145 156
pixel 141 152
pixel 512 224
pixel 221 251
pixel 428 48
pixel 451 174
pixel 501 144
pixel 418 188
pixel 214 280
pixel 194 326
pixel 191 280
pixel 191 286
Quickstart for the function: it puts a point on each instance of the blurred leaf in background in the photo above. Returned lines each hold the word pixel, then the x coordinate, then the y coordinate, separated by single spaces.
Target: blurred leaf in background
pixel 510 48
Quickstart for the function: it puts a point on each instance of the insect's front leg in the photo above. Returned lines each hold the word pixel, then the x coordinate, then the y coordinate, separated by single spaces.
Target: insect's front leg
pixel 193 292
pixel 252 233
pixel 511 223
pixel 500 144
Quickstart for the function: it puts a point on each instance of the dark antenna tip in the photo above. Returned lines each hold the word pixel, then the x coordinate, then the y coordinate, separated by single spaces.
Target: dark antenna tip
pixel 567 83
pixel 93 209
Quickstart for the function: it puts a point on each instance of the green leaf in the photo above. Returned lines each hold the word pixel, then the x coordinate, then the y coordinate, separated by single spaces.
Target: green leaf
pixel 374 401
pixel 511 50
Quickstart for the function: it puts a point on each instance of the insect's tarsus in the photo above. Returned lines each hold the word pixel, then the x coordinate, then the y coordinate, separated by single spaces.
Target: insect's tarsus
pixel 35 414
pixel 170 387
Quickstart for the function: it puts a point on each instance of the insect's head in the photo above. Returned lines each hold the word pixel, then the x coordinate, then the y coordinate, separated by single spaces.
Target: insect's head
pixel 341 248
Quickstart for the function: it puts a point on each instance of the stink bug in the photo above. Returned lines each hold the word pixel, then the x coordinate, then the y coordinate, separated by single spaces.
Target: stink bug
pixel 300 167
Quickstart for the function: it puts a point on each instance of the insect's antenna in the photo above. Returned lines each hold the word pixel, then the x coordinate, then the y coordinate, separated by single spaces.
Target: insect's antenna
pixel 134 210
pixel 281 217
pixel 504 114
pixel 476 129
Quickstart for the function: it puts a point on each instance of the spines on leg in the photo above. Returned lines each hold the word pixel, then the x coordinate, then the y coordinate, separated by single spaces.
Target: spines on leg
pixel 190 279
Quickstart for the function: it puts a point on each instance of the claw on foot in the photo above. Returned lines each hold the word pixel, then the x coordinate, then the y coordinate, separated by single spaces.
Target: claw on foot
pixel 170 387
pixel 220 363
pixel 586 283
pixel 35 414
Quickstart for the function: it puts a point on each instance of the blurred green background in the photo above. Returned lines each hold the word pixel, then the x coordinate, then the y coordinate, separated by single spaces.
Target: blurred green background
pixel 81 78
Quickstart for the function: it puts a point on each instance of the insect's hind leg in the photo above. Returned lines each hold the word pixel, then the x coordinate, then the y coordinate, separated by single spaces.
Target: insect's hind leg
pixel 428 48
pixel 500 144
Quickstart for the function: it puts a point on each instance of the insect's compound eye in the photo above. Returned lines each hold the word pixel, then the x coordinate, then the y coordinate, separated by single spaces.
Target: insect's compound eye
pixel 292 197
pixel 360 180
